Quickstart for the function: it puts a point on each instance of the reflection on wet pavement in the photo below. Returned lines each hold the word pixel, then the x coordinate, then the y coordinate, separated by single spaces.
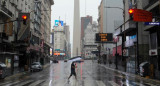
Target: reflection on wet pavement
pixel 89 73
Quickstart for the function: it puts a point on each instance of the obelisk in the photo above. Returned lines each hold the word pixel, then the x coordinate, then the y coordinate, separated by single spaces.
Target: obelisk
pixel 76 49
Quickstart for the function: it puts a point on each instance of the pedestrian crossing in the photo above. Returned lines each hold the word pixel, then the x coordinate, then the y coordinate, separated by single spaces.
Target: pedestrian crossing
pixel 86 82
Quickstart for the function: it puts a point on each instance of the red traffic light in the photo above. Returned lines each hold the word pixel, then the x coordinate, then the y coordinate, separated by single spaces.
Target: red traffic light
pixel 24 17
pixel 130 11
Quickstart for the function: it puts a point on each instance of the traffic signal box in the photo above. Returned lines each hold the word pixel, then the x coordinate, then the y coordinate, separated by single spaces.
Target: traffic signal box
pixel 131 13
pixel 24 17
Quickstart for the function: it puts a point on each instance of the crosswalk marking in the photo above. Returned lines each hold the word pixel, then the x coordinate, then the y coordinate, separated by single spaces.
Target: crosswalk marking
pixel 12 83
pixel 36 83
pixel 46 83
pixel 5 83
pixel 25 82
pixel 150 84
pixel 126 84
pixel 139 84
pixel 113 83
pixel 100 83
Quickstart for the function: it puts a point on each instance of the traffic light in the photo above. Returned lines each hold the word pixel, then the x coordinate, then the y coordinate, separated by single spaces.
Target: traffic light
pixel 131 11
pixel 24 17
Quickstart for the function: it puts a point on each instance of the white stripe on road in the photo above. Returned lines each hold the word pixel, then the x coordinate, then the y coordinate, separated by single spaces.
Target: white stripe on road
pixel 113 83
pixel 126 84
pixel 50 83
pixel 139 84
pixel 25 82
pixel 5 83
pixel 12 83
pixel 100 83
pixel 36 83
pixel 151 84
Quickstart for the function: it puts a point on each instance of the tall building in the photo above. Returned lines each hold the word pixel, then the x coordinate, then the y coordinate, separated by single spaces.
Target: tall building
pixel 59 42
pixel 84 22
pixel 67 39
pixel 76 49
pixel 26 39
pixel 45 29
pixel 89 40
pixel 106 21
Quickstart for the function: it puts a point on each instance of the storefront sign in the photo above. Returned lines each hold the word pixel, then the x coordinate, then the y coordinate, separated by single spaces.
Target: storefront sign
pixel 153 52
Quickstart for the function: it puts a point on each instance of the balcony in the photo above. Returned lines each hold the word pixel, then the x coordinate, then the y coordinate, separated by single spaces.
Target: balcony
pixel 130 28
pixel 5 11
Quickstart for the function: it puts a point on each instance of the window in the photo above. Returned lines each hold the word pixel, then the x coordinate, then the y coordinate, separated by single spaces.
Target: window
pixel 153 40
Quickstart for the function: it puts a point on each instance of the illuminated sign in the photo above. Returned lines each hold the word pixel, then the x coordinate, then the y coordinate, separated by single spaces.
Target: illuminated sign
pixel 104 37
pixel 58 23
pixel 51 51
pixel 59 54
pixel 140 15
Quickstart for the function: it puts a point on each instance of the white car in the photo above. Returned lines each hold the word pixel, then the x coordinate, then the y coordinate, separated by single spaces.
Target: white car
pixel 36 66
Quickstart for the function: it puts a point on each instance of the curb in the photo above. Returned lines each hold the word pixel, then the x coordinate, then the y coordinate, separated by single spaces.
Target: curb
pixel 133 75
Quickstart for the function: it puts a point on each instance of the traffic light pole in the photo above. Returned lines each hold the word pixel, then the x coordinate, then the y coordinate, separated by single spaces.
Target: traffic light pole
pixel 116 56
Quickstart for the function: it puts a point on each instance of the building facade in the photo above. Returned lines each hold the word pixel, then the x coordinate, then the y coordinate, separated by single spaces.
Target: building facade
pixel 84 22
pixel 59 42
pixel 67 39
pixel 19 42
pixel 89 41
pixel 106 23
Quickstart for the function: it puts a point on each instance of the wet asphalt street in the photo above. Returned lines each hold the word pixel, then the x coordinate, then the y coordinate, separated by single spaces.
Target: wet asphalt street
pixel 89 73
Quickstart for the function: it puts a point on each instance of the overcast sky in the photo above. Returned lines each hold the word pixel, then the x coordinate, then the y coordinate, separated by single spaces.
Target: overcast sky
pixel 64 9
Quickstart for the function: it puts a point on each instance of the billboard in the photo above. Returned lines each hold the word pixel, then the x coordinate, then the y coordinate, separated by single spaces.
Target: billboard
pixel 62 54
pixel 58 23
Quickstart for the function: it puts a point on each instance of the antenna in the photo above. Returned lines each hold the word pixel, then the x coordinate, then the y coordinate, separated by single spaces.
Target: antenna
pixel 65 18
pixel 85 7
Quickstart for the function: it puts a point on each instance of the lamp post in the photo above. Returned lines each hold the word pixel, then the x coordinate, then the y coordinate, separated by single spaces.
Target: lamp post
pixel 123 37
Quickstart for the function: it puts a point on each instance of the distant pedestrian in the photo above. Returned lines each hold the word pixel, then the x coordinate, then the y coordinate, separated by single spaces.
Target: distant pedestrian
pixel 73 72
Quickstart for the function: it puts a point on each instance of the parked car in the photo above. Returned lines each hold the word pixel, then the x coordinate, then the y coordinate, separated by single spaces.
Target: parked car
pixel 65 60
pixel 2 70
pixel 55 61
pixel 144 69
pixel 36 66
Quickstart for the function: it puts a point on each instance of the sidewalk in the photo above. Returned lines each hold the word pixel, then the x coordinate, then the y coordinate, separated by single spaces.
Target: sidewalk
pixel 121 71
pixel 24 72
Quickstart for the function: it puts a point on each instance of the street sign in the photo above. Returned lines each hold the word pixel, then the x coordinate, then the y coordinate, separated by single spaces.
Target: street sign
pixel 140 15
pixel 152 23
pixel 104 37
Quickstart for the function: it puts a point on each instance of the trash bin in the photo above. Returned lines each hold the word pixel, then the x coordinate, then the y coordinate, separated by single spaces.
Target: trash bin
pixel 2 71
pixel 144 69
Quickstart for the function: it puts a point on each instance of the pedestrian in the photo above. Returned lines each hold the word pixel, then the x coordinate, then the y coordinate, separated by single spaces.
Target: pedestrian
pixel 73 66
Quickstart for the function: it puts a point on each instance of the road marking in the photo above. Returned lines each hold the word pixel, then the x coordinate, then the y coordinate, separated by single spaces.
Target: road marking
pixel 113 83
pixel 50 83
pixel 12 83
pixel 37 82
pixel 139 84
pixel 25 82
pixel 126 84
pixel 150 84
pixel 100 83
pixel 5 83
